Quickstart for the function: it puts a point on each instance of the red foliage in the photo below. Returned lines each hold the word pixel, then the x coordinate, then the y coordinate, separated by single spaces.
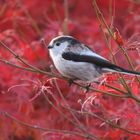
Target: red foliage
pixel 23 24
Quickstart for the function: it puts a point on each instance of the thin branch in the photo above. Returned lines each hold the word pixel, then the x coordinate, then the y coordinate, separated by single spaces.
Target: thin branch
pixel 29 16
pixel 61 95
pixel 89 135
pixel 103 21
pixel 113 125
pixel 23 61
pixel 122 80
pixel 41 128
pixel 66 19
pixel 100 91
pixel 16 66
pixel 107 122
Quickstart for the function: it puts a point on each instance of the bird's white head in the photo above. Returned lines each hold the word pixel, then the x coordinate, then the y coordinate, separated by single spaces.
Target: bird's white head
pixel 59 44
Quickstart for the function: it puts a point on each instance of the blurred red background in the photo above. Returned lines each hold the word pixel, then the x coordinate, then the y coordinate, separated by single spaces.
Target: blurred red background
pixel 23 24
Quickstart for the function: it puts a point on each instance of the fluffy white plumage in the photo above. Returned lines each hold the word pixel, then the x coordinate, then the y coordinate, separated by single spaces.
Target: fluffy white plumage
pixel 75 60
pixel 74 70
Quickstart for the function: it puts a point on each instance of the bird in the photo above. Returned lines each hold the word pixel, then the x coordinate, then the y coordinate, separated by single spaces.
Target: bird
pixel 76 61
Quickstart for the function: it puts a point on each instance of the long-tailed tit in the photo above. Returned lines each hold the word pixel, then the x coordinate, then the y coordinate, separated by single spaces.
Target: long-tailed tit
pixel 75 60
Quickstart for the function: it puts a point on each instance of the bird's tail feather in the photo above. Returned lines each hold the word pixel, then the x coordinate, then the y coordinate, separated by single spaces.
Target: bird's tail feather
pixel 123 71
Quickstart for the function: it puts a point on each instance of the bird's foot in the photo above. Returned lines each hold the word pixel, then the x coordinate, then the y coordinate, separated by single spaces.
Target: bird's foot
pixel 70 82
pixel 87 88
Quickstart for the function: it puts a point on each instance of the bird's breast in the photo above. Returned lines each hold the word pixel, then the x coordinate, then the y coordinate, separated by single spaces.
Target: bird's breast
pixel 76 70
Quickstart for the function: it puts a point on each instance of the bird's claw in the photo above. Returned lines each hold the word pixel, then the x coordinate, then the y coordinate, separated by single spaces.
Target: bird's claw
pixel 70 82
pixel 87 88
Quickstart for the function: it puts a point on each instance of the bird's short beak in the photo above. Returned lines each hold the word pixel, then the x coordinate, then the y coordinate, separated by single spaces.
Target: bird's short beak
pixel 49 47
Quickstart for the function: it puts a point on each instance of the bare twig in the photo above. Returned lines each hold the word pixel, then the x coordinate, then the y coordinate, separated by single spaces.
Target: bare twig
pixel 107 122
pixel 66 19
pixel 27 13
pixel 102 20
pixel 61 95
pixel 88 134
pixel 17 66
pixel 23 61
pixel 43 129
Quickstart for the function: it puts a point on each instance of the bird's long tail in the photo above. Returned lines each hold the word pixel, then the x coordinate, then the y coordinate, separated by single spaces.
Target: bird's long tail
pixel 124 71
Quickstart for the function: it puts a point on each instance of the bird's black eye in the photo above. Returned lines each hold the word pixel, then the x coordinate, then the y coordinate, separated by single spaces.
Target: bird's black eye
pixel 58 44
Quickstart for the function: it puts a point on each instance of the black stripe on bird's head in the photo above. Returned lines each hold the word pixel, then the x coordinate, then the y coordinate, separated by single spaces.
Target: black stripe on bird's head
pixel 61 39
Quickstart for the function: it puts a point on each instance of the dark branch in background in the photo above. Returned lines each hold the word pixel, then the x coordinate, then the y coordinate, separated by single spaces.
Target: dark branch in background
pixel 16 66
pixel 103 22
pixel 28 15
pixel 20 59
pixel 106 121
pixel 80 127
pixel 41 128
pixel 65 102
pixel 66 19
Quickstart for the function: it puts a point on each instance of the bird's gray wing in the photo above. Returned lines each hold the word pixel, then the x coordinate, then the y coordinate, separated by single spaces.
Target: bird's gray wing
pixel 96 60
